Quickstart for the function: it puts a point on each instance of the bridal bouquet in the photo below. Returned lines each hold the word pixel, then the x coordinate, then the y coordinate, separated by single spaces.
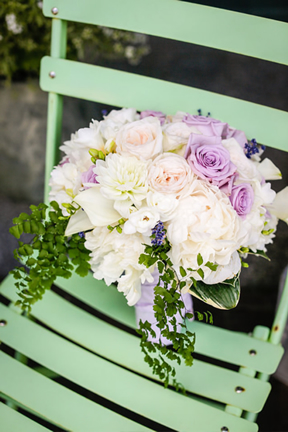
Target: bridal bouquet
pixel 173 201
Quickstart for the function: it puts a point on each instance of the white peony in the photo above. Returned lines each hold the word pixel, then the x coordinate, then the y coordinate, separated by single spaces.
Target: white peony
pixel 170 174
pixel 175 137
pixel 142 138
pixel 112 254
pixel 204 223
pixel 122 178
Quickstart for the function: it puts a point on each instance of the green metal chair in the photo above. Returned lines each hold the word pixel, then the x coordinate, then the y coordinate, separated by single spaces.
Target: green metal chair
pixel 76 365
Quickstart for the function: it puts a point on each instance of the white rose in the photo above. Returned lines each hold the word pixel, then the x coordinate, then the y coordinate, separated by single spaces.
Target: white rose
pixel 165 204
pixel 142 138
pixel 170 174
pixel 122 178
pixel 81 142
pixel 111 124
pixel 175 137
pixel 65 181
pixel 245 167
pixel 142 221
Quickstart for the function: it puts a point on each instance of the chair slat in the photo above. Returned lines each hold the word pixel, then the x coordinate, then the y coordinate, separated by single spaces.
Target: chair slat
pixel 187 22
pixel 109 380
pixel 129 90
pixel 202 379
pixel 211 340
pixel 58 404
pixel 13 421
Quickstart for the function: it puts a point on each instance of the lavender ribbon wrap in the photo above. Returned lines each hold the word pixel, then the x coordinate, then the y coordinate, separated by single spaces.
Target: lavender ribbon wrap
pixel 144 309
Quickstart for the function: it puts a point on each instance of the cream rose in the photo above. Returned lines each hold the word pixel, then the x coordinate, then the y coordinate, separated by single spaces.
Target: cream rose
pixel 111 124
pixel 245 167
pixel 171 174
pixel 142 138
pixel 175 137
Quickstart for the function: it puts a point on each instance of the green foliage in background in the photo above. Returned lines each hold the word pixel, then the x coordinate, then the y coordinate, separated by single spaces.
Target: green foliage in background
pixel 25 38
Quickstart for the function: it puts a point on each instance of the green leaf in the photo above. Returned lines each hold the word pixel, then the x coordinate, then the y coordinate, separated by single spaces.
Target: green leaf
pixel 201 273
pixel 211 266
pixel 199 259
pixel 223 295
pixel 182 271
pixel 259 253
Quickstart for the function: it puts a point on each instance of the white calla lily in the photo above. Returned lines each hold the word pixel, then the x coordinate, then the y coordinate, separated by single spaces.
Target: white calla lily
pixel 99 209
pixel 279 207
pixel 78 222
pixel 268 170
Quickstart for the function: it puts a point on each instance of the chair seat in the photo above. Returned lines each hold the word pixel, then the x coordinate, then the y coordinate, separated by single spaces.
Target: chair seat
pixel 105 359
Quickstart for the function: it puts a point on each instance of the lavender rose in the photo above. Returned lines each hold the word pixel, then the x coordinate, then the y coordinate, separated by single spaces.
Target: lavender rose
pixel 89 177
pixel 210 160
pixel 207 125
pixel 211 127
pixel 242 198
pixel 151 113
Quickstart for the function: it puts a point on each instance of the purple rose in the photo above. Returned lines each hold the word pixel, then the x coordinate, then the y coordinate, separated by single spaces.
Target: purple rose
pixel 242 198
pixel 210 160
pixel 238 135
pixel 211 127
pixel 207 125
pixel 150 113
pixel 89 177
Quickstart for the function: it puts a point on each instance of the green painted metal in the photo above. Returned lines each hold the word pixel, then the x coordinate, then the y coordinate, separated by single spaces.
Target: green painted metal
pixel 12 421
pixel 109 381
pixel 129 90
pixel 202 379
pixel 261 333
pixel 179 20
pixel 211 340
pixel 58 404
pixel 55 104
pixel 281 317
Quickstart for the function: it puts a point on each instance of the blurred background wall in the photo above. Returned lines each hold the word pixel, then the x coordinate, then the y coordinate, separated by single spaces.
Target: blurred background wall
pixel 23 109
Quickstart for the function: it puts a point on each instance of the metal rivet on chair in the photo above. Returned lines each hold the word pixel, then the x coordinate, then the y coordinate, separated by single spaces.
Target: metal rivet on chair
pixel 224 429
pixel 239 389
pixel 252 352
pixel 52 74
pixel 54 11
pixel 3 322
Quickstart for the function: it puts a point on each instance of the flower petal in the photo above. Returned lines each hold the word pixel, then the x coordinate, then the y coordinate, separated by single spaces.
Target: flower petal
pixel 99 210
pixel 279 207
pixel 78 222
pixel 269 171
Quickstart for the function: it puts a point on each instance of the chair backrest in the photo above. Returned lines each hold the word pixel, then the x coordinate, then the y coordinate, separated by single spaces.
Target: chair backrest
pixel 213 385
pixel 248 35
